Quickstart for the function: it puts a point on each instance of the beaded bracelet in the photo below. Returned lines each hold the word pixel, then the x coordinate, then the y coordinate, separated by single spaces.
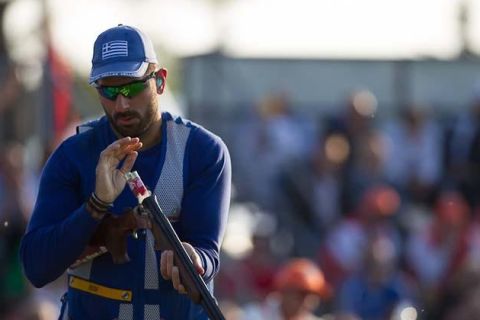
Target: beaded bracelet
pixel 100 204
pixel 97 208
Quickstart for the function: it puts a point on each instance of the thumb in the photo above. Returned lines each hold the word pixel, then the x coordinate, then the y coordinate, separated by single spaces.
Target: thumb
pixel 197 263
pixel 193 254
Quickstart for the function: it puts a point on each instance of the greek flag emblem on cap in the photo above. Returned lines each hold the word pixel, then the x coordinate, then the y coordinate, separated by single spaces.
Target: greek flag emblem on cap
pixel 113 49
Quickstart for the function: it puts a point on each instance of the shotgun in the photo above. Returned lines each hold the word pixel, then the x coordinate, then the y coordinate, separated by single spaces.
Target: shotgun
pixel 167 239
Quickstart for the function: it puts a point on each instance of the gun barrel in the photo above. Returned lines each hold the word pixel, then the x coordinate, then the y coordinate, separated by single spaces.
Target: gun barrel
pixel 200 293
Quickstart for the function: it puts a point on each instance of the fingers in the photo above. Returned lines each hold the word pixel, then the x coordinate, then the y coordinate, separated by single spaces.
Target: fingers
pixel 110 181
pixel 129 161
pixel 127 141
pixel 171 272
pixel 169 263
pixel 166 264
pixel 122 147
pixel 133 146
pixel 176 280
pixel 125 148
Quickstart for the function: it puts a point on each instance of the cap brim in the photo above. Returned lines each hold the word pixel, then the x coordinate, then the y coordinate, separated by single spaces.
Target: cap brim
pixel 119 69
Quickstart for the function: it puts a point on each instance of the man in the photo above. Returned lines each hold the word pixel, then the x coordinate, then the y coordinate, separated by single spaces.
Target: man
pixel 82 199
pixel 299 288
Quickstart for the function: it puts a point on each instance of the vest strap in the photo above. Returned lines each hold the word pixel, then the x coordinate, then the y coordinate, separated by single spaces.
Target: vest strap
pixel 99 290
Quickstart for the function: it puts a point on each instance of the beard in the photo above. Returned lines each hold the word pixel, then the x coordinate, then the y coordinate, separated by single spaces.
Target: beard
pixel 138 125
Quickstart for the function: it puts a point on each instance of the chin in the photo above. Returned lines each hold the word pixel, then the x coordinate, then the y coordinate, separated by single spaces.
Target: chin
pixel 129 132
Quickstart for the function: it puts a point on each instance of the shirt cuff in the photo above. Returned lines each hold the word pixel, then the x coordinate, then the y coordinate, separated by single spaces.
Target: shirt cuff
pixel 206 264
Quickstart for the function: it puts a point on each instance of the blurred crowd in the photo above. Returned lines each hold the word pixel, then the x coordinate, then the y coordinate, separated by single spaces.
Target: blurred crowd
pixel 385 207
pixel 353 215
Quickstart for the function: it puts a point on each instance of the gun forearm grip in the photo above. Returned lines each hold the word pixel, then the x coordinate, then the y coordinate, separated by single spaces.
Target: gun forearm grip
pixel 162 243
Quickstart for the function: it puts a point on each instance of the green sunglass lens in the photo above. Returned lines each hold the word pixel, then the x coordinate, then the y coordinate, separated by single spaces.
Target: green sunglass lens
pixel 109 92
pixel 128 90
pixel 131 90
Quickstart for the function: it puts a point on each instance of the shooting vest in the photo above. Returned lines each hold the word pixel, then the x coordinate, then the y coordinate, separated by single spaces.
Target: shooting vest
pixel 169 192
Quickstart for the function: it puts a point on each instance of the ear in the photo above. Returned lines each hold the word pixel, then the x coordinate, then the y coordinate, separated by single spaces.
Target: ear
pixel 160 80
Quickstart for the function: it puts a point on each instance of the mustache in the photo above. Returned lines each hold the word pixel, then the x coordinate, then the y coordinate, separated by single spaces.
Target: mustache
pixel 126 114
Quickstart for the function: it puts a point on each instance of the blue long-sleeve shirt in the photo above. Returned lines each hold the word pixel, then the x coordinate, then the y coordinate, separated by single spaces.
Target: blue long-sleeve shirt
pixel 194 185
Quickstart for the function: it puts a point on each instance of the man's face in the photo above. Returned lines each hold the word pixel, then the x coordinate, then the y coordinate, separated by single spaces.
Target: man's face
pixel 133 116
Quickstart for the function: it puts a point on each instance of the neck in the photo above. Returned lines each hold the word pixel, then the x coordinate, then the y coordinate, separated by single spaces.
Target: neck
pixel 152 136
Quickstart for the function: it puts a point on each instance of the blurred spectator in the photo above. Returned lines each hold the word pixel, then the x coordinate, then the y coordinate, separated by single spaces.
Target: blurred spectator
pixel 378 287
pixel 461 145
pixel 259 268
pixel 460 298
pixel 437 251
pixel 472 183
pixel 345 247
pixel 299 288
pixel 268 141
pixel 356 119
pixel 353 128
pixel 341 316
pixel 14 208
pixel 366 169
pixel 231 310
pixel 12 113
pixel 311 187
pixel 414 156
pixel 250 277
pixel 33 308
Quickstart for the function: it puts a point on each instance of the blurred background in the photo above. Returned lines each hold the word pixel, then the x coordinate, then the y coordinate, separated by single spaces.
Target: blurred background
pixel 354 131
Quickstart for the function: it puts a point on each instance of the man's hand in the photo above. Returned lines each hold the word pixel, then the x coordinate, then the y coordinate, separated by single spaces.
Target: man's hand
pixel 110 181
pixel 170 272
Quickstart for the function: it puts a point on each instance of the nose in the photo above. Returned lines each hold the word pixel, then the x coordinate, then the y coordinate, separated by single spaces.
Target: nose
pixel 121 103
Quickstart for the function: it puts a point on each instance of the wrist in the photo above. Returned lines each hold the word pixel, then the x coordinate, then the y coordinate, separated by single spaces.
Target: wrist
pixel 97 208
pixel 94 213
pixel 100 200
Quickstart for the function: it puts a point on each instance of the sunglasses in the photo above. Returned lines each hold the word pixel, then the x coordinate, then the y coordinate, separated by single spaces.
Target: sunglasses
pixel 128 90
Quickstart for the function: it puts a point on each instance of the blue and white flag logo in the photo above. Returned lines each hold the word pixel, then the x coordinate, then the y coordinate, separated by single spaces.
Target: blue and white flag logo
pixel 113 49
